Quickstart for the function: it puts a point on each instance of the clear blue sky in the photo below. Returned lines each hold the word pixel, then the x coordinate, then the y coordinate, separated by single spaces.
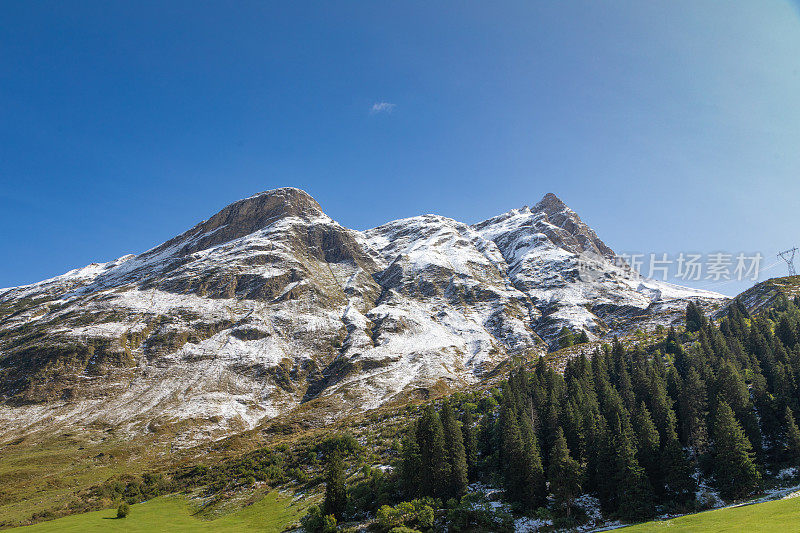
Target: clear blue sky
pixel 668 126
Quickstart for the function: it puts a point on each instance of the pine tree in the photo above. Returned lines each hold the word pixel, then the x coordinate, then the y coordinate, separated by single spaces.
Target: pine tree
pixel 564 474
pixel 550 425
pixel 792 437
pixel 676 474
pixel 470 444
pixel 634 495
pixel 649 445
pixel 335 489
pixel 601 465
pixel 534 494
pixel 522 466
pixel 735 474
pixel 565 338
pixel 582 337
pixel 434 468
pixel 785 332
pixel 511 452
pixel 694 410
pixel 411 464
pixel 732 389
pixel 626 487
pixel 695 320
pixel 456 456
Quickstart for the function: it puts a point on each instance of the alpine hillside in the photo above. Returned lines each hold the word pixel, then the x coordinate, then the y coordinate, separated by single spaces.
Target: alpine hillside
pixel 271 304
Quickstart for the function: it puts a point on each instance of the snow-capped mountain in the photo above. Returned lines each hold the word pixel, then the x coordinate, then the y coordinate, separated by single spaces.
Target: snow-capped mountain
pixel 271 304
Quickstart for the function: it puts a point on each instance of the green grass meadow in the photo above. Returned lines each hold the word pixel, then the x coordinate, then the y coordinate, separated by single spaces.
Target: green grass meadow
pixel 273 513
pixel 781 516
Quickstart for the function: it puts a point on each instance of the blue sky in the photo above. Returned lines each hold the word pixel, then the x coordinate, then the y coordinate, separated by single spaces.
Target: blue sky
pixel 668 126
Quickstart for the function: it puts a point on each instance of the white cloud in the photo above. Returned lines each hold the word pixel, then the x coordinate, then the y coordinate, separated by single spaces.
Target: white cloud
pixel 381 107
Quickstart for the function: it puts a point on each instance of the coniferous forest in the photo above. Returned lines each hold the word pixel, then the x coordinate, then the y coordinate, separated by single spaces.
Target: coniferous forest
pixel 706 410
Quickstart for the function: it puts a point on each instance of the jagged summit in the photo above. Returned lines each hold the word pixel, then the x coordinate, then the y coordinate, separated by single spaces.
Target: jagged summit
pixel 550 201
pixel 549 221
pixel 245 217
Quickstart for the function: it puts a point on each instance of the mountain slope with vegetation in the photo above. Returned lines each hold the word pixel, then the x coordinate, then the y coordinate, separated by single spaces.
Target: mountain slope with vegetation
pixel 681 420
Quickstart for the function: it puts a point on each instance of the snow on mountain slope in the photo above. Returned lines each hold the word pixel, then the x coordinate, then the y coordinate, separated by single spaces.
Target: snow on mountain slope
pixel 572 277
pixel 270 304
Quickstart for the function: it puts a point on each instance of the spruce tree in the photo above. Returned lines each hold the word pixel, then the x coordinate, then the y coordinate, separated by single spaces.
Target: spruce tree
pixel 411 463
pixel 335 489
pixel 792 438
pixel 732 389
pixel 522 465
pixel 456 456
pixel 564 474
pixel 434 468
pixel 565 338
pixel 470 444
pixel 676 474
pixel 649 445
pixel 634 494
pixel 695 320
pixel 735 473
pixel 512 452
pixel 785 332
pixel 694 410
pixel 601 465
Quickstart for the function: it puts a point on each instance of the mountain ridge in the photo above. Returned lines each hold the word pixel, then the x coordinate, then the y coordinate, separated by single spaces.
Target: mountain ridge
pixel 270 304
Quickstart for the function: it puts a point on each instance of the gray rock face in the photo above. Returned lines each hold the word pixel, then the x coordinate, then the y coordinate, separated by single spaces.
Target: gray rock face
pixel 270 304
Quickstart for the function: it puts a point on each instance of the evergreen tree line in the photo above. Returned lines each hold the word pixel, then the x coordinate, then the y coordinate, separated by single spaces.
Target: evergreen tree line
pixel 631 425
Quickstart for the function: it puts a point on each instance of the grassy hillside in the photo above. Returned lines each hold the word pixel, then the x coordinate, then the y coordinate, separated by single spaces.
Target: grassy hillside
pixel 765 294
pixel 782 516
pixel 273 513
pixel 44 475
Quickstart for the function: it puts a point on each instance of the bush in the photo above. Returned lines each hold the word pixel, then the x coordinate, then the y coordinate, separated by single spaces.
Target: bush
pixel 406 514
pixel 474 512
pixel 123 510
pixel 315 522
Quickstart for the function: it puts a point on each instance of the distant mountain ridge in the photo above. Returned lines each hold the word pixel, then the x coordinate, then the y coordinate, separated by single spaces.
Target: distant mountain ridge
pixel 270 304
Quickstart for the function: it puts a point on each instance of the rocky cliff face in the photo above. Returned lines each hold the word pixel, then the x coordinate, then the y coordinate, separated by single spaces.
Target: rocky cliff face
pixel 270 304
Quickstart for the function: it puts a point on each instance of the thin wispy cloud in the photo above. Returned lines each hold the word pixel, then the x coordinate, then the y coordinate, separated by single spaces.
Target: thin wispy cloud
pixel 381 107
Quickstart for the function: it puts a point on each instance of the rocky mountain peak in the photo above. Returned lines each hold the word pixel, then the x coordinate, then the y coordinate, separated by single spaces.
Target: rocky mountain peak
pixel 550 220
pixel 566 229
pixel 247 216
pixel 550 203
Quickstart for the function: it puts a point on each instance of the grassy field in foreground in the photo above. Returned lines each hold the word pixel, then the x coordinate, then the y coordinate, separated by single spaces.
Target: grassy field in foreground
pixel 273 513
pixel 781 516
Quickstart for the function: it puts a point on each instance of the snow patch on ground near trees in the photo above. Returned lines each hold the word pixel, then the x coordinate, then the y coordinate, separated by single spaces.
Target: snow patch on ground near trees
pixel 777 493
pixel 705 496
pixel 529 525
pixel 586 502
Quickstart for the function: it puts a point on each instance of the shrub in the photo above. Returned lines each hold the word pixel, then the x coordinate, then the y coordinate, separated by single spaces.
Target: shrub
pixel 474 512
pixel 406 514
pixel 315 522
pixel 123 510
